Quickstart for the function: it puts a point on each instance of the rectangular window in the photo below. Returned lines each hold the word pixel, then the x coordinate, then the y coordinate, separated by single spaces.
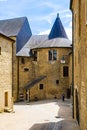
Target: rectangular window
pixel 0 50
pixel 52 55
pixel 86 11
pixel 41 86
pixel 65 71
pixel 57 81
pixel 35 55
pixel 22 60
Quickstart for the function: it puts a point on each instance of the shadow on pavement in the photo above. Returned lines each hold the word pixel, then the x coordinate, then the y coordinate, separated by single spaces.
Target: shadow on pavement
pixel 65 110
pixel 61 125
pixel 47 126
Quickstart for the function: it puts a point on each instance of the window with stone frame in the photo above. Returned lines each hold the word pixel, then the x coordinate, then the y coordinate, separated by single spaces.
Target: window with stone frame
pixel 65 71
pixel 52 55
pixel 0 50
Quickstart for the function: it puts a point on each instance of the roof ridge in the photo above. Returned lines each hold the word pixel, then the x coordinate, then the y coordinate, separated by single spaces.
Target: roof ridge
pixel 8 19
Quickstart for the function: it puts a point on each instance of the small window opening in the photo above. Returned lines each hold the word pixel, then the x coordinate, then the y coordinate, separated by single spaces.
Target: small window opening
pixel 41 86
pixel 22 61
pixel 35 55
pixel 65 71
pixel 57 81
pixel 26 69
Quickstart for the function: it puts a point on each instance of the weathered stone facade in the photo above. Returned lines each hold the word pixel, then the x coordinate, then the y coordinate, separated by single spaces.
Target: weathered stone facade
pixel 54 84
pixel 20 34
pixel 79 12
pixel 6 100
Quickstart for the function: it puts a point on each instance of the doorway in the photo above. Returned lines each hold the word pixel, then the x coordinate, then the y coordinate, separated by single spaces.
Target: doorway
pixel 77 107
pixel 6 99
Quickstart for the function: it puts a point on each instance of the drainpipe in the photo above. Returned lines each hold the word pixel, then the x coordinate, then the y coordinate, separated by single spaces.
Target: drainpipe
pixel 73 63
pixel 18 79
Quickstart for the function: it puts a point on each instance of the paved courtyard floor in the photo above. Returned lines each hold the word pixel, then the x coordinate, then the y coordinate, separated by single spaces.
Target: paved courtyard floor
pixel 40 115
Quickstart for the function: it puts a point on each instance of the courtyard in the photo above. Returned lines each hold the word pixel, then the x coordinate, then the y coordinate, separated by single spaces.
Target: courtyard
pixel 40 115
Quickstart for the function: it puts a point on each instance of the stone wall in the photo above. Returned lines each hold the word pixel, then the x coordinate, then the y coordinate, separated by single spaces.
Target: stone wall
pixel 5 73
pixel 80 61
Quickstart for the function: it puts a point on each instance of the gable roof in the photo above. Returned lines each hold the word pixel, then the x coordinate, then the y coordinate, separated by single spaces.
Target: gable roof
pixel 11 27
pixel 57 30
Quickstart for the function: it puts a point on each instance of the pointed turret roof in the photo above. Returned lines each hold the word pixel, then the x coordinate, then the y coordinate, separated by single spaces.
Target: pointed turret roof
pixel 57 30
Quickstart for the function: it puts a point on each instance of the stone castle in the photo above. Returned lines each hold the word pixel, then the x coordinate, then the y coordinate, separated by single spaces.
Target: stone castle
pixel 33 67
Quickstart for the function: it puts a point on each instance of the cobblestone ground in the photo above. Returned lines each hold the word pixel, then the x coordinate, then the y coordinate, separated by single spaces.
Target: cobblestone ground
pixel 40 115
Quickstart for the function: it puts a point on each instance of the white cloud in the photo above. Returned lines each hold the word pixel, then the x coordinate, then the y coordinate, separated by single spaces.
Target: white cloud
pixel 2 0
pixel 44 32
pixel 69 33
pixel 51 5
pixel 70 24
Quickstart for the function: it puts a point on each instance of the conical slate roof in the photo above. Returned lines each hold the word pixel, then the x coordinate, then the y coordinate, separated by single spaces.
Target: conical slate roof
pixel 57 30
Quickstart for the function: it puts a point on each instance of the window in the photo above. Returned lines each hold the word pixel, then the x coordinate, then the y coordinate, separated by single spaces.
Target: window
pixel 41 86
pixel 86 11
pixel 52 55
pixel 57 81
pixel 35 55
pixel 26 69
pixel 65 71
pixel 22 60
pixel 0 50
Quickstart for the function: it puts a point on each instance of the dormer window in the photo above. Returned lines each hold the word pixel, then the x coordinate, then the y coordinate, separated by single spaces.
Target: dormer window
pixel 52 55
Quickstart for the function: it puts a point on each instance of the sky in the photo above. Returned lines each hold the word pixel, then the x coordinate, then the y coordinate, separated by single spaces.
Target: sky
pixel 41 14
